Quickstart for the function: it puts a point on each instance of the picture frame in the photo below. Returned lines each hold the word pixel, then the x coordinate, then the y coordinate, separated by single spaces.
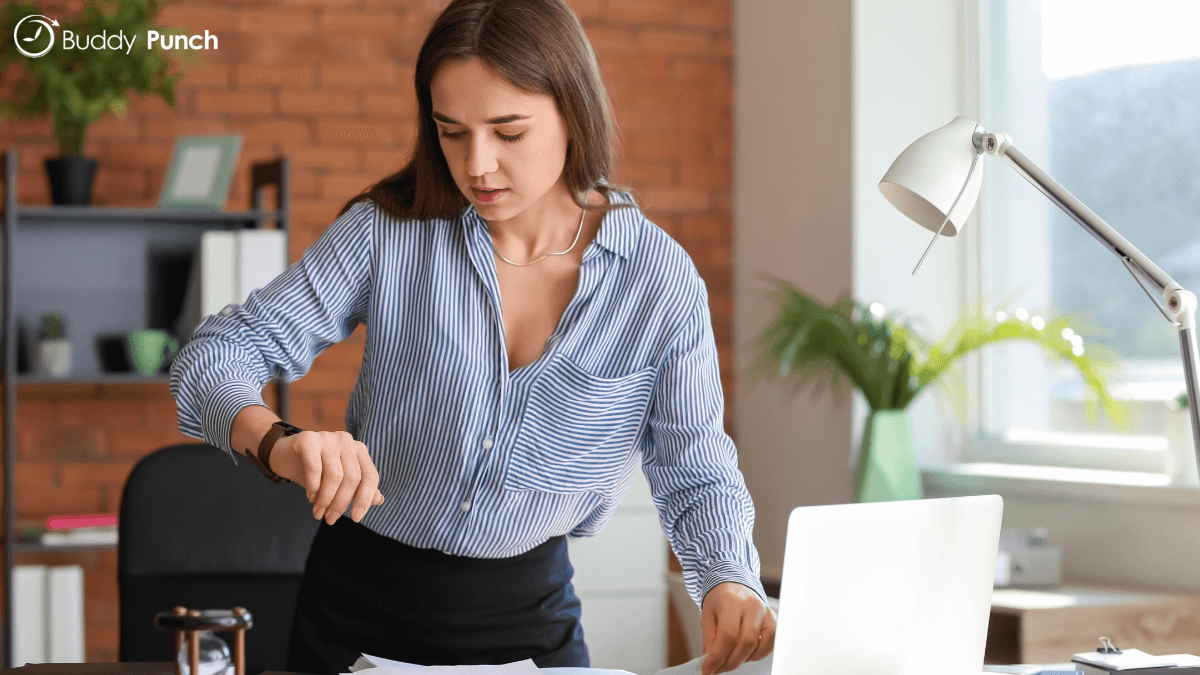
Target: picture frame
pixel 200 171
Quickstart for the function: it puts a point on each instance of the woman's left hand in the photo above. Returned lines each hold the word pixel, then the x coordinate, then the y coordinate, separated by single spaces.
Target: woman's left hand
pixel 737 627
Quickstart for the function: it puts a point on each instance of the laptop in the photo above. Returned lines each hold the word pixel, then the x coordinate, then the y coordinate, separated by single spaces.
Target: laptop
pixel 887 588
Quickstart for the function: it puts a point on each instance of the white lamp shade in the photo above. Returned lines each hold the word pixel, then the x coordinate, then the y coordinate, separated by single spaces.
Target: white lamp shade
pixel 924 180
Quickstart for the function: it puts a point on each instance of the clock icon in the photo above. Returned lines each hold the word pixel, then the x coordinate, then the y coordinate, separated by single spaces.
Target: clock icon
pixel 35 26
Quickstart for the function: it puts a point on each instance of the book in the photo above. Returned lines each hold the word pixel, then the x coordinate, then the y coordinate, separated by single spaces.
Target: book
pixel 29 614
pixel 67 521
pixel 229 265
pixel 64 608
pixel 48 614
pixel 80 535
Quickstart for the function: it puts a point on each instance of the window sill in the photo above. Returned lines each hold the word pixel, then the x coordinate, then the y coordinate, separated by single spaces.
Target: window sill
pixel 1057 482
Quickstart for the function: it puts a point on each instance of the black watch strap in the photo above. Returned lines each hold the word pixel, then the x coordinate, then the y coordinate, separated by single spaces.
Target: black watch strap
pixel 263 460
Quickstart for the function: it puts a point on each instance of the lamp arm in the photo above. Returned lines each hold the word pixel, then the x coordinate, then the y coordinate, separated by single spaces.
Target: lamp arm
pixel 1180 303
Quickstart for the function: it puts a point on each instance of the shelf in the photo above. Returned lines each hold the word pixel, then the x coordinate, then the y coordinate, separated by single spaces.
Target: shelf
pixel 36 547
pixel 77 214
pixel 105 261
pixel 99 378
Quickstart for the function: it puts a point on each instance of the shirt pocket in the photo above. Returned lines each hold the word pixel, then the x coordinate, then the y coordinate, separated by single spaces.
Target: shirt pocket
pixel 578 429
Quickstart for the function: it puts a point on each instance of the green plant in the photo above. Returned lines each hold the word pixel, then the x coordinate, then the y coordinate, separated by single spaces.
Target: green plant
pixel 890 364
pixel 53 327
pixel 78 87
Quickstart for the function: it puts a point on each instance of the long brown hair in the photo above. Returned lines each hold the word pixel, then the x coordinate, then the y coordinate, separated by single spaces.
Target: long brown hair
pixel 539 47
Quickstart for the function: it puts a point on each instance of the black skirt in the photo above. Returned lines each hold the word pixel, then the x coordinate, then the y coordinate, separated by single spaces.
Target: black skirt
pixel 367 593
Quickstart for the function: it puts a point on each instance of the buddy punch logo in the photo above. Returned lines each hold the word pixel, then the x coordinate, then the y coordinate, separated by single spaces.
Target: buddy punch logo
pixel 43 23
pixel 31 31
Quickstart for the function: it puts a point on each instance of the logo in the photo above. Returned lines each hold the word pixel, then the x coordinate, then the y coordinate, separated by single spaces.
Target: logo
pixel 25 40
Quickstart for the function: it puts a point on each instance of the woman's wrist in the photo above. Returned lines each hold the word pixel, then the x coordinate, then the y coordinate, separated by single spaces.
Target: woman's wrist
pixel 249 427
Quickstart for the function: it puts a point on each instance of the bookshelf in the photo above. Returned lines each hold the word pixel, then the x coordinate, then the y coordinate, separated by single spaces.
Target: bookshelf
pixel 117 241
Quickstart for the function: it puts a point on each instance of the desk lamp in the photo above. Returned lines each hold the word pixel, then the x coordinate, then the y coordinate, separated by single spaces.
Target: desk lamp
pixel 936 181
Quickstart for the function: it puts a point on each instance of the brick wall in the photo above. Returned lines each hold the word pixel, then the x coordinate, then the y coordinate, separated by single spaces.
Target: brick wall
pixel 329 84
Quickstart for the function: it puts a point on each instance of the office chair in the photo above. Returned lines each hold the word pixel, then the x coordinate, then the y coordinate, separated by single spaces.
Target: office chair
pixel 197 531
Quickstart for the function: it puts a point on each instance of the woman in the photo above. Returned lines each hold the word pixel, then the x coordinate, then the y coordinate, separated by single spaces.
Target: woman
pixel 526 349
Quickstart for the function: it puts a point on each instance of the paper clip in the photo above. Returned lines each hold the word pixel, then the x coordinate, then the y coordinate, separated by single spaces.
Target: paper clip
pixel 1106 647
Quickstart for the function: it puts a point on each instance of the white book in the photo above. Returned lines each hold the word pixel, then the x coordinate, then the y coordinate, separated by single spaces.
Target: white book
pixel 82 535
pixel 65 631
pixel 259 256
pixel 219 286
pixel 229 264
pixel 29 614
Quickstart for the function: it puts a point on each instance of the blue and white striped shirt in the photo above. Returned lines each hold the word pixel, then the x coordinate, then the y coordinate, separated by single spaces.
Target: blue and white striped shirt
pixel 475 460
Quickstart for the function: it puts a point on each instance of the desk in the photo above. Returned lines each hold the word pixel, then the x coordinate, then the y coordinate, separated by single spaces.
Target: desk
pixel 1048 626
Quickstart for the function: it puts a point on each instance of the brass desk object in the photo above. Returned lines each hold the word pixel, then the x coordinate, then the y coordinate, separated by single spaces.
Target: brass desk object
pixel 191 622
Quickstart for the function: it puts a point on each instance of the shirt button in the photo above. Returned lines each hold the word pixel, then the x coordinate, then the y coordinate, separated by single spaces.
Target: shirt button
pixel 487 442
pixel 465 506
pixel 447 552
pixel 227 311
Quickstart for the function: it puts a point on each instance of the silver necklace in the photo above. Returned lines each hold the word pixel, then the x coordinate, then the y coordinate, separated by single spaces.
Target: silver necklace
pixel 589 193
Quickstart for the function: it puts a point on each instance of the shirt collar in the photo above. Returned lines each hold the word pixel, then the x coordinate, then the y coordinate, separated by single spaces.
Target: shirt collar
pixel 618 230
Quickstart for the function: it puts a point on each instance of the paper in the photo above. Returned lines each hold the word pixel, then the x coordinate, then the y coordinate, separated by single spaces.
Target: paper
pixel 694 667
pixel 1128 659
pixel 382 666
pixel 526 667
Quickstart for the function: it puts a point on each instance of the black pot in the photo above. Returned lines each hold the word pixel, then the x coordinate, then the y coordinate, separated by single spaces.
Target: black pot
pixel 71 179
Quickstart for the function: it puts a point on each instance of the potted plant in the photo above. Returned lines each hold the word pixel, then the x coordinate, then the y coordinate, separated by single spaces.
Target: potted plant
pixel 76 87
pixel 54 350
pixel 883 358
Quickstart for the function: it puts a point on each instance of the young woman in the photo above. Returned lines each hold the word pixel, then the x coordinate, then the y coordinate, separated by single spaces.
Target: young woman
pixel 531 339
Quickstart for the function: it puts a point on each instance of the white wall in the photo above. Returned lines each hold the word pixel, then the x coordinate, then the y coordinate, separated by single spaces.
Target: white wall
pixel 908 68
pixel 792 219
pixel 828 94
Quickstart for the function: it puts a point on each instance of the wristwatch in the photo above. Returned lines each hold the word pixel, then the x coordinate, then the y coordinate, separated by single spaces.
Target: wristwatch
pixel 263 461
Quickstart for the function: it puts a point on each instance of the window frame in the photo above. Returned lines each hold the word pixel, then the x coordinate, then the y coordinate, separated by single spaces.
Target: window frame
pixel 973 443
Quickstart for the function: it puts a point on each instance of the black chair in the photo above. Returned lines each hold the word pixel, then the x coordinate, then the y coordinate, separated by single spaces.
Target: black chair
pixel 197 531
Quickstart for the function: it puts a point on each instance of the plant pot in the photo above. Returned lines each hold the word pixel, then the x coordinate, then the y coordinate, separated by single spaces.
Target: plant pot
pixel 1182 464
pixel 887 466
pixel 54 357
pixel 71 179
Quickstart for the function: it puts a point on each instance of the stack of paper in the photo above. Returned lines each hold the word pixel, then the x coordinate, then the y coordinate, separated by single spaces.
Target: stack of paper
pixel 382 666
pixel 1134 660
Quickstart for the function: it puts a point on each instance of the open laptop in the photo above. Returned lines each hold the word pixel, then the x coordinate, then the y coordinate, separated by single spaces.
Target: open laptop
pixel 888 588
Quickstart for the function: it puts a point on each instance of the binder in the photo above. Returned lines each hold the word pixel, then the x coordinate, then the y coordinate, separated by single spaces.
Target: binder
pixel 29 614
pixel 228 265
pixel 64 602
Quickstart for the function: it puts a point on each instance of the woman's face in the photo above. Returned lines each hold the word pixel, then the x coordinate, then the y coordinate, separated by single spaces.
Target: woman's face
pixel 494 135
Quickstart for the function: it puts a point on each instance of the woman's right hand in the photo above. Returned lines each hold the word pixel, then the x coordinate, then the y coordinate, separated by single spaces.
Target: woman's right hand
pixel 333 468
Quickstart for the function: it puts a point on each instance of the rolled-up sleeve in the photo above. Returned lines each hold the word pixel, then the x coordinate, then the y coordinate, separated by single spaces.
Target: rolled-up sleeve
pixel 277 332
pixel 691 463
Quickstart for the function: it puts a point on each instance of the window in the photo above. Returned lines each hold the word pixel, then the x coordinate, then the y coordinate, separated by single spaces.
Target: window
pixel 1105 96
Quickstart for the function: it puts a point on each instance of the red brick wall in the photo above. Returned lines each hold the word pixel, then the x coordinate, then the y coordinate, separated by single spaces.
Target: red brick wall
pixel 329 84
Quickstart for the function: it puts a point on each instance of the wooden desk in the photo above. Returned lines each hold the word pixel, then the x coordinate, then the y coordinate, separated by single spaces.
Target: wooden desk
pixel 1049 626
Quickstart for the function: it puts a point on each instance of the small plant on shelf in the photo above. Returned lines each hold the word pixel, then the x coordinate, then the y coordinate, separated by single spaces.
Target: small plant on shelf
pixel 54 349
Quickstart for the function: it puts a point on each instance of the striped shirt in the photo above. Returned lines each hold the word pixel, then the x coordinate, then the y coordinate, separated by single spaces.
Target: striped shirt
pixel 475 460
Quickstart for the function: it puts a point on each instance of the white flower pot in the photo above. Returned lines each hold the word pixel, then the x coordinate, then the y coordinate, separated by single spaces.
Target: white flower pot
pixel 54 357
pixel 1183 455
